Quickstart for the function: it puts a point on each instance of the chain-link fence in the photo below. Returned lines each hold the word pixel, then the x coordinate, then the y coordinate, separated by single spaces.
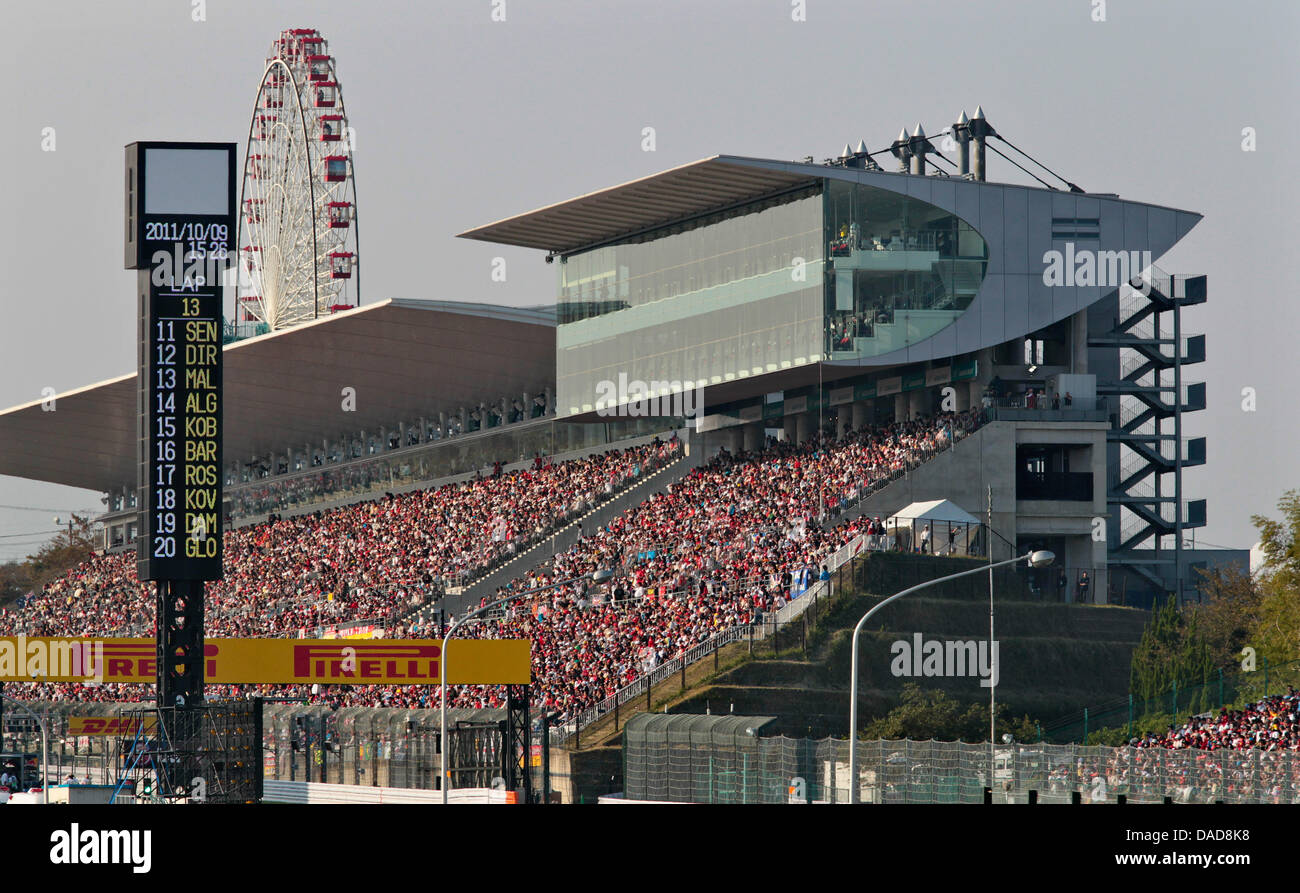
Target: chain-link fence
pixel 382 747
pixel 71 755
pixel 703 766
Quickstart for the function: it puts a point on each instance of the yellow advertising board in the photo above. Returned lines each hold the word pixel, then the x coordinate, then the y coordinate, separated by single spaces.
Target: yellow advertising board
pixel 109 725
pixel 273 661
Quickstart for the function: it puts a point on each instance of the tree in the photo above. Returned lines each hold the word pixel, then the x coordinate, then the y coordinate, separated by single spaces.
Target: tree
pixel 64 552
pixel 15 581
pixel 1280 542
pixel 926 715
pixel 1231 613
pixel 1275 631
pixel 1173 651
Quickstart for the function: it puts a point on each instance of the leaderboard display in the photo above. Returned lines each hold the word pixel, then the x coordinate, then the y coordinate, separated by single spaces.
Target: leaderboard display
pixel 180 232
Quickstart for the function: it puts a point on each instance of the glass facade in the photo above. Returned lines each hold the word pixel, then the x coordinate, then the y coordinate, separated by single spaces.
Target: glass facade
pixel 702 302
pixel 898 269
pixel 835 271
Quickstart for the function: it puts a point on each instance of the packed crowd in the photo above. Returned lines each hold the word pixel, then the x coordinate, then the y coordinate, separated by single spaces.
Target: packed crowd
pixel 373 561
pixel 732 540
pixel 1272 723
pixel 1251 755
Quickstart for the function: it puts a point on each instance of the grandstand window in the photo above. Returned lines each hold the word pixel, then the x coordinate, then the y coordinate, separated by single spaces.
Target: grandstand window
pixel 682 279
pixel 891 252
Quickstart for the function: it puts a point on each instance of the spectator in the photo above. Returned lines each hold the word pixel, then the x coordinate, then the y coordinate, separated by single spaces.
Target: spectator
pixel 730 541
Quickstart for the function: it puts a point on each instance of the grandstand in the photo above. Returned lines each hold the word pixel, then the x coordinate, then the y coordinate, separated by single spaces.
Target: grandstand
pixel 722 545
pixel 861 341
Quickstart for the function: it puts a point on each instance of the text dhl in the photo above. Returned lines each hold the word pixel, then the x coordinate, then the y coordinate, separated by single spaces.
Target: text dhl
pixel 109 725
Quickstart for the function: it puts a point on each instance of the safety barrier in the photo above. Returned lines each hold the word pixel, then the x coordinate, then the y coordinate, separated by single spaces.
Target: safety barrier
pixel 701 767
pixel 316 792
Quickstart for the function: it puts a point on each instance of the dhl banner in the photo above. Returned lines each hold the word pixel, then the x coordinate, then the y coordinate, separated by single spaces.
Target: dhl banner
pixel 109 725
pixel 272 661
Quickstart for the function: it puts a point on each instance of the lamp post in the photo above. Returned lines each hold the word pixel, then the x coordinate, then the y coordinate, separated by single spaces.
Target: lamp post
pixel 45 747
pixel 1035 559
pixel 596 577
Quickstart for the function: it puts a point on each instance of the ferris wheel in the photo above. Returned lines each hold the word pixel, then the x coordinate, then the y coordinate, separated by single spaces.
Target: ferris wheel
pixel 298 244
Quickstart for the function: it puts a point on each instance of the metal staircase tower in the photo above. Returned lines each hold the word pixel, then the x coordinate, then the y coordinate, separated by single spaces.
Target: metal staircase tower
pixel 1145 493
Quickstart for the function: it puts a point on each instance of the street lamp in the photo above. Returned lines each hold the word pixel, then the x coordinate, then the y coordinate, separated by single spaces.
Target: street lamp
pixel 598 576
pixel 1035 559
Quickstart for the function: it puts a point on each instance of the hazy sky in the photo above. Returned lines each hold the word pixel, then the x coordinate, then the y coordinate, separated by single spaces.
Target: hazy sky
pixel 461 120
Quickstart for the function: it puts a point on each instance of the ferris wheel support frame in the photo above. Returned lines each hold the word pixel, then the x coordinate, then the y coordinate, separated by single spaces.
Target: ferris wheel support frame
pixel 315 192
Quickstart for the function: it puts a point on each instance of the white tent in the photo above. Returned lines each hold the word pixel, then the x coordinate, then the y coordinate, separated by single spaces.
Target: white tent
pixel 932 512
pixel 952 528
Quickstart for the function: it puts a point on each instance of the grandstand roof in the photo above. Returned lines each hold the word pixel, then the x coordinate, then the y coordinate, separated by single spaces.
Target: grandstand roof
pixel 404 358
pixel 709 184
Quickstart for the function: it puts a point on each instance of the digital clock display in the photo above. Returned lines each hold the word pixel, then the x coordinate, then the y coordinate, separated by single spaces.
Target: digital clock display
pixel 180 223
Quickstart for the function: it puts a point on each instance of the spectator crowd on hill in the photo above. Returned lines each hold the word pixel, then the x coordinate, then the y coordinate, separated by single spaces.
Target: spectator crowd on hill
pixel 1272 723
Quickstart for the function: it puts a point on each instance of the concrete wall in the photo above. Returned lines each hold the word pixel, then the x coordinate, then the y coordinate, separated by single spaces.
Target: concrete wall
pixel 986 459
pixel 963 475
pixel 1072 520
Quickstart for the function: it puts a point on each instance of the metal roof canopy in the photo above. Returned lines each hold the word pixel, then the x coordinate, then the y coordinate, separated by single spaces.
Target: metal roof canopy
pixel 697 726
pixel 404 358
pixel 708 185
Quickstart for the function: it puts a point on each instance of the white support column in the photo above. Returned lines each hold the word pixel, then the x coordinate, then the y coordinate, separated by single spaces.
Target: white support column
pixel 862 414
pixel 805 427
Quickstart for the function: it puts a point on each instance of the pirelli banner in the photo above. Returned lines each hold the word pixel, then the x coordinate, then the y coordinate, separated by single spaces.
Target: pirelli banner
pixel 272 661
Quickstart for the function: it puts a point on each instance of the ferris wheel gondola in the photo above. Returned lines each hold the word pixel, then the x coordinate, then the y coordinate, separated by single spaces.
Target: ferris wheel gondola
pixel 298 240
